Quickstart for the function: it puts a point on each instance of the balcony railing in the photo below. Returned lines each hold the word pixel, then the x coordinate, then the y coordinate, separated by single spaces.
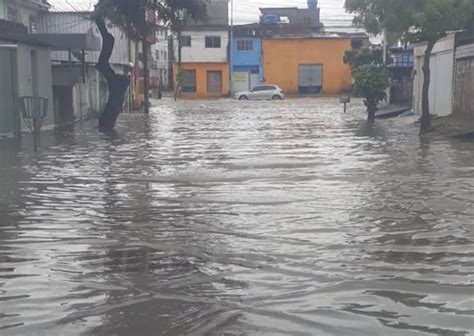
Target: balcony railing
pixel 11 27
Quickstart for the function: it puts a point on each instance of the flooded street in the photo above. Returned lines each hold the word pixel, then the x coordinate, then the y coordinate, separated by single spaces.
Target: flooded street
pixel 238 218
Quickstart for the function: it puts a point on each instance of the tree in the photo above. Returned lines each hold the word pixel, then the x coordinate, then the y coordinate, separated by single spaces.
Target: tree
pixel 370 82
pixel 363 56
pixel 130 17
pixel 417 20
pixel 177 14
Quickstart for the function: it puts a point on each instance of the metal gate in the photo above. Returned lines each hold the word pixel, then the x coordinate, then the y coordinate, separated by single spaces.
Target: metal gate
pixel 214 81
pixel 310 78
pixel 241 81
pixel 401 90
pixel 9 121
pixel 464 99
pixel 441 86
pixel 254 80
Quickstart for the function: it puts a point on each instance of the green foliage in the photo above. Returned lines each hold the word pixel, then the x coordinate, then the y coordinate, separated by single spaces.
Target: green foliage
pixel 363 56
pixel 370 82
pixel 418 20
pixel 129 15
pixel 176 13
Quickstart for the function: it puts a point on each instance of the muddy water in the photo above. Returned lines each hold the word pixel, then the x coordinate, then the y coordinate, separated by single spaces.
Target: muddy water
pixel 238 218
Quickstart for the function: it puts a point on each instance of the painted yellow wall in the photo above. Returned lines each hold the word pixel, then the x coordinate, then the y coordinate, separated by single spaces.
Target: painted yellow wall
pixel 201 79
pixel 282 56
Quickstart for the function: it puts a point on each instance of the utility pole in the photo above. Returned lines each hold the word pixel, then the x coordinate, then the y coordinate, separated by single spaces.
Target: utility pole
pixel 231 61
pixel 180 25
pixel 146 77
pixel 146 71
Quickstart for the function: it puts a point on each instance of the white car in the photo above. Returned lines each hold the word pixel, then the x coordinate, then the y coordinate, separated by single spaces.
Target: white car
pixel 261 92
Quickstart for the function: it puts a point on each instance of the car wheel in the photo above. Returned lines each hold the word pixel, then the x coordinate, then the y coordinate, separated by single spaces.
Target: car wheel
pixel 243 98
pixel 276 97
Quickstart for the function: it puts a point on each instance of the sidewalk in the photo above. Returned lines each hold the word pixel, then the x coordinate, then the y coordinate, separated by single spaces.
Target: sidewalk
pixel 453 127
pixel 391 111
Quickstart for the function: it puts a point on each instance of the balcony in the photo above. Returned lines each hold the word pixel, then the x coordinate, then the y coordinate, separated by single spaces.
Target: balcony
pixel 11 27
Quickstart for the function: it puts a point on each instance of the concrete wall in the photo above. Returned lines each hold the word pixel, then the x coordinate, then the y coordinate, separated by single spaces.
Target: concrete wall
pixel 201 79
pixel 442 68
pixel 86 101
pixel 3 9
pixel 25 78
pixel 198 53
pixel 281 58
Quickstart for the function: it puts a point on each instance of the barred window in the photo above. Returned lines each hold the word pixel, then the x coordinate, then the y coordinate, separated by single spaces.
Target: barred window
pixel 244 45
pixel 213 41
pixel 185 41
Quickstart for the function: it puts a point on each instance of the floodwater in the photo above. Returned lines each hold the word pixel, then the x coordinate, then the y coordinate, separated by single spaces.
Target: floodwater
pixel 238 218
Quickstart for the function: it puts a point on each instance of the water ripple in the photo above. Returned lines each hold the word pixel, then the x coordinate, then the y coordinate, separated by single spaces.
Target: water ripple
pixel 238 218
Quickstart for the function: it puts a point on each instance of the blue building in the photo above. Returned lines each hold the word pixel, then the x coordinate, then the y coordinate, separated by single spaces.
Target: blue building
pixel 401 66
pixel 246 53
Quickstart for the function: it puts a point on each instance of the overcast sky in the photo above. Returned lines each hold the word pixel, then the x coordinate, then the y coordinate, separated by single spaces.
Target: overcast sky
pixel 245 11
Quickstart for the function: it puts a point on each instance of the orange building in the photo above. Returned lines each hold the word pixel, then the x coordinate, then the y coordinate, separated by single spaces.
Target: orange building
pixel 307 64
pixel 204 80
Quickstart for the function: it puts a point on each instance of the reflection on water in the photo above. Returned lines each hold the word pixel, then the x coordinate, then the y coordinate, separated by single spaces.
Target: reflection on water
pixel 238 218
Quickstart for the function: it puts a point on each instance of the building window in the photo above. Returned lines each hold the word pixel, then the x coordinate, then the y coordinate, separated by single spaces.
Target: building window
pixel 185 41
pixel 165 55
pixel 157 54
pixel 213 41
pixel 244 45
pixel 189 81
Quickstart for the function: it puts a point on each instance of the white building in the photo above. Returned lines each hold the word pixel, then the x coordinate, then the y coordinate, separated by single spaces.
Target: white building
pixel 25 64
pixel 441 85
pixel 80 92
pixel 160 58
pixel 206 46
pixel 204 53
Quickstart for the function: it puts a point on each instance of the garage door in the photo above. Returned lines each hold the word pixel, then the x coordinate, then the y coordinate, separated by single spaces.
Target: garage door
pixel 310 78
pixel 441 87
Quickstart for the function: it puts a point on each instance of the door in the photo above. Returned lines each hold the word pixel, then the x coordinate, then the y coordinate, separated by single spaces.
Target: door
pixel 310 78
pixel 214 81
pixel 63 110
pixel 464 99
pixel 442 84
pixel 254 80
pixel 9 117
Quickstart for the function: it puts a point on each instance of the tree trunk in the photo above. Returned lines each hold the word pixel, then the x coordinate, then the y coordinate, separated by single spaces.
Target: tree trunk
pixel 178 75
pixel 371 109
pixel 117 84
pixel 146 78
pixel 425 95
